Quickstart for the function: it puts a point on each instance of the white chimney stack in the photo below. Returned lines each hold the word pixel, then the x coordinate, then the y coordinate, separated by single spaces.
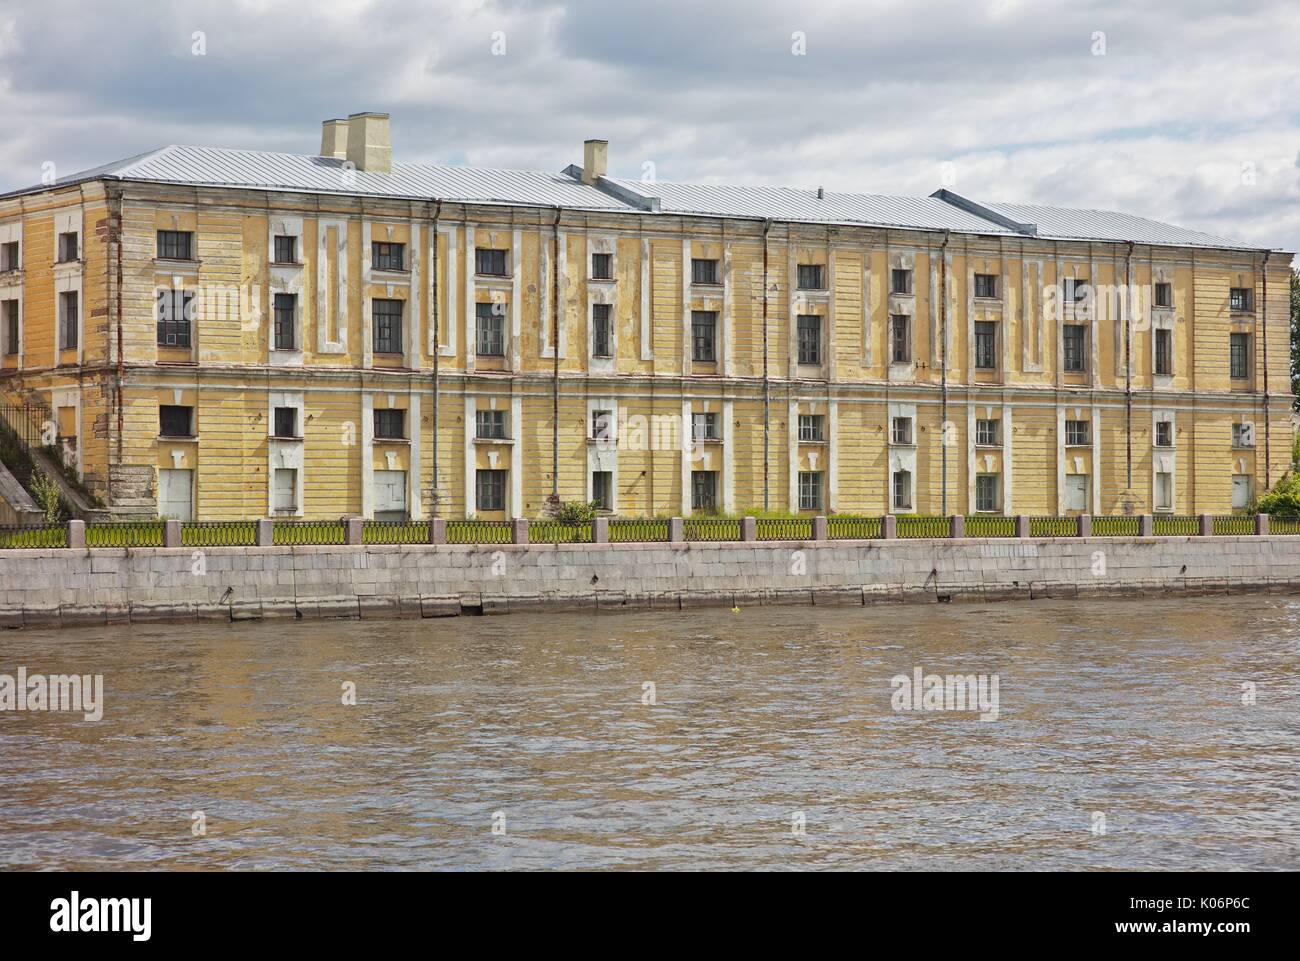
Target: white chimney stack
pixel 595 160
pixel 369 148
pixel 334 139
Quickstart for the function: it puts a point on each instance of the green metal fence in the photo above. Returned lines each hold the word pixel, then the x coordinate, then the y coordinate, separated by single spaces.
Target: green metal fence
pixel 915 525
pixel 395 532
pixel 784 528
pixel 471 531
pixel 14 537
pixel 1284 525
pixel 1114 526
pixel 558 532
pixel 852 528
pixel 125 534
pixel 635 531
pixel 1173 525
pixel 1053 527
pixel 712 529
pixel 985 525
pixel 306 533
pixel 218 533
pixel 1229 524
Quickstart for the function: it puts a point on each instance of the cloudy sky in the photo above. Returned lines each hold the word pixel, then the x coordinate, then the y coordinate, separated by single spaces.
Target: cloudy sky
pixel 1182 110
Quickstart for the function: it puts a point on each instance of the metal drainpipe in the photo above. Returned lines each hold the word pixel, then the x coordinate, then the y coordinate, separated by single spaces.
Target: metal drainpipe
pixel 767 226
pixel 1263 319
pixel 437 350
pixel 943 364
pixel 555 358
pixel 1128 369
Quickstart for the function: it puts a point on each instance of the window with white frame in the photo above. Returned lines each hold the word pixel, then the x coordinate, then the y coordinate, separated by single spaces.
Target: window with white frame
pixel 1078 433
pixel 704 426
pixel 1164 433
pixel 810 339
pixel 602 333
pixel 900 339
pixel 704 490
pixel 704 271
pixel 490 332
pixel 602 489
pixel 69 247
pixel 602 266
pixel 812 427
pixel 987 433
pixel 900 431
pixel 902 490
pixel 9 320
pixel 1243 435
pixel 986 286
pixel 490 424
pixel 987 494
pixel 602 425
pixel 68 312
pixel 900 281
pixel 810 490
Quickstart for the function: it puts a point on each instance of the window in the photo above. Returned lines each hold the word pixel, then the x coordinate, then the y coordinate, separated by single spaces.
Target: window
pixel 490 490
pixel 285 489
pixel 1164 433
pixel 704 490
pixel 286 250
pixel 601 335
pixel 1239 356
pixel 811 277
pixel 1072 339
pixel 490 424
pixel 1164 361
pixel 810 490
pixel 175 245
pixel 812 427
pixel 286 422
pixel 810 339
pixel 175 421
pixel 1164 295
pixel 602 266
pixel 986 338
pixel 1076 433
pixel 704 331
pixel 387 316
pixel 602 489
pixel 68 247
pixel 900 281
pixel 386 256
pixel 986 285
pixel 68 320
pixel 390 424
pixel 986 492
pixel 1242 487
pixel 1076 492
pixel 1164 491
pixel 1243 435
pixel 900 431
pixel 9 256
pixel 704 271
pixel 902 490
pixel 900 339
pixel 986 433
pixel 1241 298
pixel 489 262
pixel 1075 290
pixel 285 308
pixel 9 312
pixel 490 335
pixel 602 425
pixel 175 310
pixel 704 426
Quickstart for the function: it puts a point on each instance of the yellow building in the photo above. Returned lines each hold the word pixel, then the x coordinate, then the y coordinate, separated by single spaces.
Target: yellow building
pixel 229 334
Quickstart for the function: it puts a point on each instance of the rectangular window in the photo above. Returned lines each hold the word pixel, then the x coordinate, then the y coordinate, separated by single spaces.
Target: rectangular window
pixel 902 490
pixel 390 424
pixel 602 266
pixel 387 317
pixel 68 320
pixel 811 277
pixel 10 318
pixel 285 489
pixel 68 247
pixel 986 433
pixel 490 490
pixel 1243 435
pixel 1072 340
pixel 812 427
pixel 900 431
pixel 986 285
pixel 900 281
pixel 9 256
pixel 1241 299
pixel 1164 433
pixel 489 262
pixel 175 311
pixel 386 256
pixel 1164 491
pixel 1164 295
pixel 1164 360
pixel 286 422
pixel 175 245
pixel 900 339
pixel 704 426
pixel 490 424
pixel 986 339
pixel 704 490
pixel 986 492
pixel 1076 433
pixel 601 335
pixel 810 490
pixel 602 489
pixel 175 421
pixel 704 334
pixel 704 271
pixel 1242 490
pixel 810 339
pixel 285 307
pixel 490 332
pixel 1075 290
pixel 286 249
pixel 1239 356
pixel 602 425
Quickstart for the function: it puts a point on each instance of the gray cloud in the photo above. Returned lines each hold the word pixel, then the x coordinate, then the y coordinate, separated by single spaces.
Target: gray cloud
pixel 1192 114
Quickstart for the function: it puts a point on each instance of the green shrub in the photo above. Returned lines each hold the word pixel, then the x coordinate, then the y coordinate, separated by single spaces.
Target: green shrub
pixel 1283 500
pixel 574 512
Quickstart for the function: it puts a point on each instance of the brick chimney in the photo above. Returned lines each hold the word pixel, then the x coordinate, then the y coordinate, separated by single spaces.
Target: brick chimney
pixel 369 148
pixel 334 139
pixel 595 160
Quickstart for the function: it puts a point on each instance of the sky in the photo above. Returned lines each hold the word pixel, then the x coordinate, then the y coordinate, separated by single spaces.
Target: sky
pixel 1186 111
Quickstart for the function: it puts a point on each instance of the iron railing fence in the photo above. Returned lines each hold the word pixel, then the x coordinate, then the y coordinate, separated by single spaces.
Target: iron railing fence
pixel 218 533
pixel 15 537
pixel 1284 525
pixel 784 528
pixel 843 528
pixel 711 528
pixel 308 533
pixel 990 525
pixel 634 531
pixel 559 532
pixel 1238 524
pixel 124 534
pixel 471 531
pixel 395 532
pixel 1053 527
pixel 1174 525
pixel 1115 526
pixel 917 525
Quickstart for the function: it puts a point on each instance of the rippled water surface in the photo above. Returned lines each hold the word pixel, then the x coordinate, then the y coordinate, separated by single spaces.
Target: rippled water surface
pixel 1128 708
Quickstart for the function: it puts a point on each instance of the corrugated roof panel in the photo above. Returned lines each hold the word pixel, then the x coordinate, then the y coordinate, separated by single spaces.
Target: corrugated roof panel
pixel 1064 223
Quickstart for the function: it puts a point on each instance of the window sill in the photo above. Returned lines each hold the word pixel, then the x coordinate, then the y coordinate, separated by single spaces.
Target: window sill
pixel 479 356
pixel 601 280
pixel 12 273
pixel 494 440
pixel 1069 446
pixel 1243 447
pixel 391 440
pixel 283 438
pixel 979 446
pixel 178 439
pixel 393 271
pixel 813 440
pixel 175 262
pixel 478 276
pixel 602 356
pixel 286 263
pixel 899 443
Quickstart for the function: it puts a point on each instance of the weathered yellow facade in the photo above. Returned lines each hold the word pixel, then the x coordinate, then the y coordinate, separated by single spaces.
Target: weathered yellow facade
pixel 887 405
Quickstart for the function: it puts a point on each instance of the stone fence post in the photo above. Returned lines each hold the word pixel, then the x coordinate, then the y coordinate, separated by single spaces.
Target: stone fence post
pixel 819 528
pixel 1206 525
pixel 600 530
pixel 889 527
pixel 676 530
pixel 749 528
pixel 1146 525
pixel 76 533
pixel 957 525
pixel 352 530
pixel 265 532
pixel 1261 525
pixel 437 530
pixel 1022 526
pixel 171 533
pixel 1085 525
pixel 519 530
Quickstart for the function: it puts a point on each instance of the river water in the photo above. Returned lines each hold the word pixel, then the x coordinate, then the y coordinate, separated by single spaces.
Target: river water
pixel 526 741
